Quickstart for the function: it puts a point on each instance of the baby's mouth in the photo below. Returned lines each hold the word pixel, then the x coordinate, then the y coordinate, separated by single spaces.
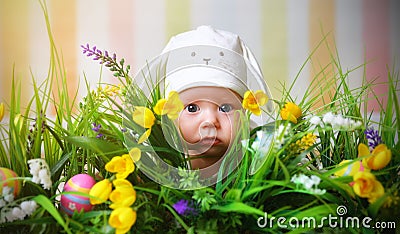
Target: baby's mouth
pixel 209 141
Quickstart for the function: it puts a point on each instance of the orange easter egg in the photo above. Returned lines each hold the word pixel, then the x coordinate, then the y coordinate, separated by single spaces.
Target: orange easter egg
pixel 6 176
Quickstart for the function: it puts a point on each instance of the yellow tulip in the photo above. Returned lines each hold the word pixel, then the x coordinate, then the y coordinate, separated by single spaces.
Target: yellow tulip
pixel 100 192
pixel 1 111
pixel 253 101
pixel 122 165
pixel 143 116
pixel 363 150
pixel 171 106
pixel 135 154
pixel 367 186
pixel 291 112
pixel 122 219
pixel 379 158
pixel 124 195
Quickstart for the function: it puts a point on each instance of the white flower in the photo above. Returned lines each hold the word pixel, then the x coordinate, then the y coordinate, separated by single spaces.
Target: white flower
pixel 46 183
pixel 44 176
pixel 315 120
pixel 299 179
pixel 9 197
pixel 328 117
pixel 315 179
pixel 2 203
pixel 34 166
pixel 309 184
pixel 28 207
pixel 18 213
pixel 318 191
pixel 40 172
pixel 9 215
pixel 338 122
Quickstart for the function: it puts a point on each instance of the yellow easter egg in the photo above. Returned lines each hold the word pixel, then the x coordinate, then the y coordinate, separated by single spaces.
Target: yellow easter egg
pixel 350 169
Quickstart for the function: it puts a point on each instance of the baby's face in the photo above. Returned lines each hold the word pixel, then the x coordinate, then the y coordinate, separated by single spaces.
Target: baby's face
pixel 208 123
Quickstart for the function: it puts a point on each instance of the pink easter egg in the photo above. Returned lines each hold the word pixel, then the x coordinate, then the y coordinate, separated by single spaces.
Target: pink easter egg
pixel 6 174
pixel 70 203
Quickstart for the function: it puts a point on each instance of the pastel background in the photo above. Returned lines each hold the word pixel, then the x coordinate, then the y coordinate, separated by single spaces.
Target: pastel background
pixel 281 33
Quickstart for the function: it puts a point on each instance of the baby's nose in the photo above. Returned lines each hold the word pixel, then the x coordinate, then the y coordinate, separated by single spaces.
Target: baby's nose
pixel 207 129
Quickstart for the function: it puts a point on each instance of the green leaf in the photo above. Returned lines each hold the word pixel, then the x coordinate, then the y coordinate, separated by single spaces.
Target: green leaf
pixel 97 145
pixel 48 205
pixel 239 207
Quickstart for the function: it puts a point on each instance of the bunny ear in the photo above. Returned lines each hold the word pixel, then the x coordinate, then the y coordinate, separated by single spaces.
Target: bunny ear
pixel 251 58
pixel 253 64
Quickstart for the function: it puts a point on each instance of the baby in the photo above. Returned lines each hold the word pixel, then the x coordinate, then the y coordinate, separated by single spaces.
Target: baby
pixel 211 70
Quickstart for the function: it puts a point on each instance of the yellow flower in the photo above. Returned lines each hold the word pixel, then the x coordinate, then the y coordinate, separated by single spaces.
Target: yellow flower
pixel 109 90
pixel 253 101
pixel 171 106
pixel 122 165
pixel 367 186
pixel 123 195
pixel 291 112
pixel 1 111
pixel 135 154
pixel 363 150
pixel 122 219
pixel 308 140
pixel 145 118
pixel 378 159
pixel 100 192
pixel 303 144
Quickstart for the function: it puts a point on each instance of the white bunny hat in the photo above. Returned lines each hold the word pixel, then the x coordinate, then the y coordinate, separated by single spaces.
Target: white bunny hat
pixel 209 57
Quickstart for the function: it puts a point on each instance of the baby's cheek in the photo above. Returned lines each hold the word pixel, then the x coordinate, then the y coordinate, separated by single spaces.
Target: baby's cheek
pixel 234 124
pixel 187 129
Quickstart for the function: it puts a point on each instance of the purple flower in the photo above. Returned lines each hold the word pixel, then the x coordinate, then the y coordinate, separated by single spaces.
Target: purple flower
pixel 96 127
pixel 373 137
pixel 182 207
pixel 99 55
pixel 109 61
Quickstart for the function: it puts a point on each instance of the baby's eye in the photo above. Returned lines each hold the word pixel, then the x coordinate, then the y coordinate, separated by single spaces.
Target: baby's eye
pixel 192 108
pixel 225 108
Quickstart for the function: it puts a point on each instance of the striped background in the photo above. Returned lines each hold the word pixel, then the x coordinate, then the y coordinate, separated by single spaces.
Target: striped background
pixel 281 34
